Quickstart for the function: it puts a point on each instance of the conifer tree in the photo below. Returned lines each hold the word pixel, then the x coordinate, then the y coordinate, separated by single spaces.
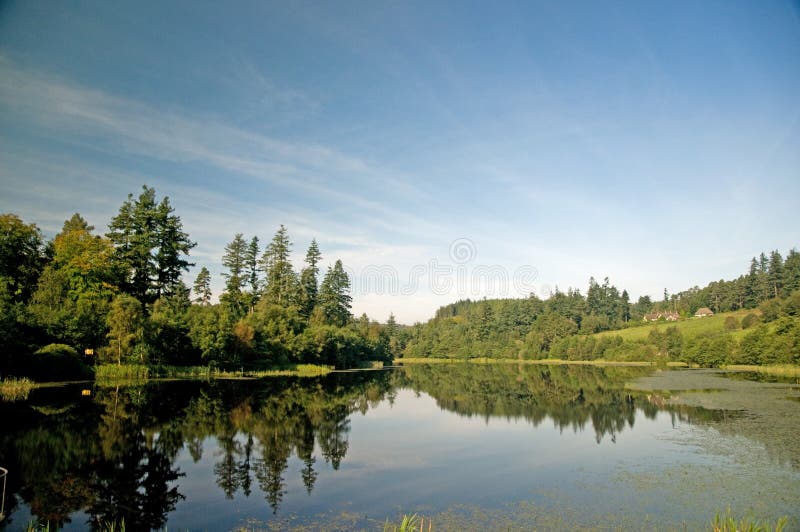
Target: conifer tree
pixel 281 280
pixel 251 267
pixel 149 246
pixel 235 260
pixel 334 296
pixel 202 287
pixel 309 282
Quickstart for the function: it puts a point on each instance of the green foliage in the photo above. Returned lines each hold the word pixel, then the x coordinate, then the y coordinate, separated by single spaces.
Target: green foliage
pixel 21 256
pixel 210 331
pixel 750 320
pixel 126 334
pixel 731 323
pixel 57 349
pixel 167 329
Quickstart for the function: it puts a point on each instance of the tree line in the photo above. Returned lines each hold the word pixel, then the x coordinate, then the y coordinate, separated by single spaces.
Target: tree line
pixel 121 295
pixel 563 325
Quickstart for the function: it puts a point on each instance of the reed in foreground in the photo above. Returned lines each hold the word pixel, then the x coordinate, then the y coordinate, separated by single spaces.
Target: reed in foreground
pixel 12 389
pixel 409 523
pixel 729 523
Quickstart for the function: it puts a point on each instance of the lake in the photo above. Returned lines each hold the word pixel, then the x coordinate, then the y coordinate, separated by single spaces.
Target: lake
pixel 468 446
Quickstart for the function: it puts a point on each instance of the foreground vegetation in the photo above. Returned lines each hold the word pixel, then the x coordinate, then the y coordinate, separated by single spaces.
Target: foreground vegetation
pixel 12 389
pixel 726 522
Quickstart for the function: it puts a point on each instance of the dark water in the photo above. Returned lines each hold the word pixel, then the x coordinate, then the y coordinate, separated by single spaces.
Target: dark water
pixel 487 447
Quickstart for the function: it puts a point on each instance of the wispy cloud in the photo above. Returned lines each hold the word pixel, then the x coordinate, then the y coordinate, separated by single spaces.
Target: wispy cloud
pixel 118 125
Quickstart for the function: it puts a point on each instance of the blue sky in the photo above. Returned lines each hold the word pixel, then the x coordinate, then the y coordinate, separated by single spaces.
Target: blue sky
pixel 655 143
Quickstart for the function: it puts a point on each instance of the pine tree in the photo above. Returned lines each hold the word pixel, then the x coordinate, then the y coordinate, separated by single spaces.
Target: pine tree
pixel 775 273
pixel 626 306
pixel 762 281
pixel 173 245
pixel 751 285
pixel 251 268
pixel 150 246
pixel 281 280
pixel 202 287
pixel 235 260
pixel 309 283
pixel 334 296
pixel 791 272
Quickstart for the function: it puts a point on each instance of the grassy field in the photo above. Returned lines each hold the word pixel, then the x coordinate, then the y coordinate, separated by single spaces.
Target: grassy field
pixel 689 328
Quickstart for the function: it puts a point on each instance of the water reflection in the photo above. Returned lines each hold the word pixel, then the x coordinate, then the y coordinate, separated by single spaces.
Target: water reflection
pixel 112 455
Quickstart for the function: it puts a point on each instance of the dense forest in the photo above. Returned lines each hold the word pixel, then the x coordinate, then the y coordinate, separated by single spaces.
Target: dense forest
pixel 566 325
pixel 121 297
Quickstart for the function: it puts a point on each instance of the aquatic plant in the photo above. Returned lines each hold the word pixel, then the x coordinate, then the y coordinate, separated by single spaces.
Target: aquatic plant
pixel 729 523
pixel 12 389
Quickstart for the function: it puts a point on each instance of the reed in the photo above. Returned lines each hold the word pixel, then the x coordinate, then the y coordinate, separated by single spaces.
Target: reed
pixel 121 371
pixel 781 370
pixel 729 523
pixel 13 389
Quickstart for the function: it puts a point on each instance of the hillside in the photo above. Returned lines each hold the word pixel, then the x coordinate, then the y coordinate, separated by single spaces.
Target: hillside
pixel 690 328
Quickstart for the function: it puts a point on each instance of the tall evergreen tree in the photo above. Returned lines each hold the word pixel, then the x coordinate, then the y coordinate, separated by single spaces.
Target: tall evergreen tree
pixel 281 280
pixel 775 274
pixel 251 268
pixel 235 260
pixel 202 287
pixel 626 306
pixel 763 285
pixel 172 244
pixel 751 285
pixel 309 280
pixel 150 246
pixel 791 271
pixel 334 296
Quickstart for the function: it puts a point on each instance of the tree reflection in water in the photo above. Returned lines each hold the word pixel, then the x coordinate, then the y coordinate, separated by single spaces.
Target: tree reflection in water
pixel 113 455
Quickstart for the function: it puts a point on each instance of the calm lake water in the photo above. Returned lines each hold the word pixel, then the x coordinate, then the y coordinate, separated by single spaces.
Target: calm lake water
pixel 469 446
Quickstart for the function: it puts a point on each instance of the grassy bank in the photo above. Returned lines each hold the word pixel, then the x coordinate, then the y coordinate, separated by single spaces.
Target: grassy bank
pixel 107 372
pixel 781 370
pixel 543 361
pixel 13 389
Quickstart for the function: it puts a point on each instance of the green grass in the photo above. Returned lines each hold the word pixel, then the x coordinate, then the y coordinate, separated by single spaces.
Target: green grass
pixel 782 370
pixel 689 328
pixel 12 389
pixel 729 523
pixel 121 371
pixel 134 372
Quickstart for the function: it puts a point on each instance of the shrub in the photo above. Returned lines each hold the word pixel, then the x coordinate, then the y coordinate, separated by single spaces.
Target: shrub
pixel 57 349
pixel 749 320
pixel 731 323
